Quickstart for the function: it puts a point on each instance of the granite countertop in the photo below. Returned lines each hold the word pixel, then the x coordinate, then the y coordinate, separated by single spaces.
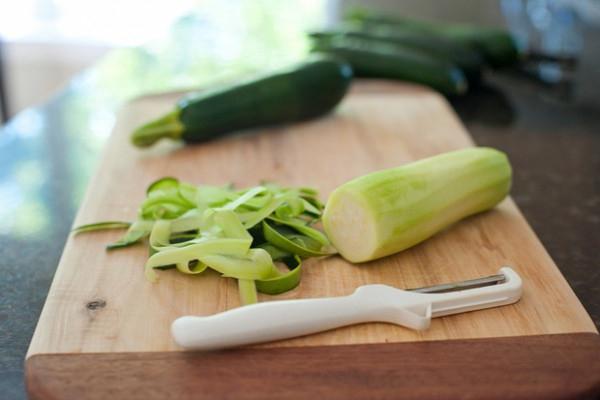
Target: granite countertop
pixel 48 153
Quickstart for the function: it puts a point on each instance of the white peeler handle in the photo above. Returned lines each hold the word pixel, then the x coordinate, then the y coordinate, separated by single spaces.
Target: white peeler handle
pixel 283 319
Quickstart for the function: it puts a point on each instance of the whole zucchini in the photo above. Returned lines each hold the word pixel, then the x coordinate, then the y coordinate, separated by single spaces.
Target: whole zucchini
pixel 497 46
pixel 383 60
pixel 388 211
pixel 306 90
pixel 467 59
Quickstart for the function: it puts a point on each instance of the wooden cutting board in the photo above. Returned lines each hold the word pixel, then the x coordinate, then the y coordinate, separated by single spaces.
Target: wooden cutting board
pixel 100 306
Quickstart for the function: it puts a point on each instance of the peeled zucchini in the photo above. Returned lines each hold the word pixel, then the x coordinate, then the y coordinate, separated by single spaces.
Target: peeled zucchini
pixel 391 210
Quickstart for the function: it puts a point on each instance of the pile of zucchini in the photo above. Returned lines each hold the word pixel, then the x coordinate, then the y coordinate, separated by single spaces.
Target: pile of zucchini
pixel 448 58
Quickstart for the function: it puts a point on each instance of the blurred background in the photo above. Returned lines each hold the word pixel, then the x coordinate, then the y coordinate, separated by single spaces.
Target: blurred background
pixel 44 43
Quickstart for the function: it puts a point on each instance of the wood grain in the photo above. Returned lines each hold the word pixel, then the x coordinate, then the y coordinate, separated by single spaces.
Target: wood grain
pixel 377 126
pixel 549 367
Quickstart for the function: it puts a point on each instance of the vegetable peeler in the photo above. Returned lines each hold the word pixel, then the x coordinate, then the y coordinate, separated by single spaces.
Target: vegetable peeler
pixel 411 308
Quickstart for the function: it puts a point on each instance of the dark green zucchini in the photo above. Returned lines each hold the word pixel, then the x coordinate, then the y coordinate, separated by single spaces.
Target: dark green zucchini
pixel 497 46
pixel 306 90
pixel 467 59
pixel 381 60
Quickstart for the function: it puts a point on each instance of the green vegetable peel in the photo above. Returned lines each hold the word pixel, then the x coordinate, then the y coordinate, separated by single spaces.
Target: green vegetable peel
pixel 238 233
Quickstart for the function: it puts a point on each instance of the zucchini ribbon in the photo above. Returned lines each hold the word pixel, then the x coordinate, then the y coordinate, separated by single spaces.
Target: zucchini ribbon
pixel 241 234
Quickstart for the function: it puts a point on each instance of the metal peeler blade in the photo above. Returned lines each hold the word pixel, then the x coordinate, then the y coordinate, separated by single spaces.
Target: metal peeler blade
pixel 462 285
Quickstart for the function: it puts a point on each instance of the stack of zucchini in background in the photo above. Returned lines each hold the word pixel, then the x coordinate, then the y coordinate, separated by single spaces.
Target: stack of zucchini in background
pixel 448 58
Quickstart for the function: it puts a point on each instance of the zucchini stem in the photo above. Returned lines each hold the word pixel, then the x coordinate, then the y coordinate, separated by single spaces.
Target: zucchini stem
pixel 168 126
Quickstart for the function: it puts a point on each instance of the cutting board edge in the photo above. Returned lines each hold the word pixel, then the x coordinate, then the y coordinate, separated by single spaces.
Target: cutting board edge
pixel 312 346
pixel 556 366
